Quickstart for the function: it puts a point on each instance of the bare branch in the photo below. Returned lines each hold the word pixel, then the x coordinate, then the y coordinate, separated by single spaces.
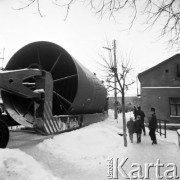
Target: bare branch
pixel 120 73
pixel 30 3
pixel 165 12
pixel 130 83
pixel 66 5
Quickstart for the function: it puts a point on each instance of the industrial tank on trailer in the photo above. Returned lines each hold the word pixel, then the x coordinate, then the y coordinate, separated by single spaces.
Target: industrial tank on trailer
pixel 75 89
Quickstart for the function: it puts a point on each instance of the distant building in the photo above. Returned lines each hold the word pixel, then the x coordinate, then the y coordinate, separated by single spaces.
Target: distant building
pixel 130 102
pixel 160 88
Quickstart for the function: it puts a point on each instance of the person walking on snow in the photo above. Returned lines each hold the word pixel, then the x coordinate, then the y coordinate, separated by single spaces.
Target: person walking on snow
pixel 141 113
pixel 130 126
pixel 153 126
pixel 135 112
pixel 138 128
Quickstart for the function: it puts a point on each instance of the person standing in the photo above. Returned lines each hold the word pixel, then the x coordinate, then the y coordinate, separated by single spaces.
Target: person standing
pixel 141 113
pixel 153 126
pixel 135 112
pixel 130 126
pixel 138 128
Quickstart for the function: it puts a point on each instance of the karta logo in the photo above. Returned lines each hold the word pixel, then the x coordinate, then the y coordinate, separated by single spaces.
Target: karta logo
pixel 116 170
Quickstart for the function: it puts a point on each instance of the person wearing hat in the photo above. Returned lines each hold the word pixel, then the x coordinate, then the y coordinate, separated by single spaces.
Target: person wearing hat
pixel 153 126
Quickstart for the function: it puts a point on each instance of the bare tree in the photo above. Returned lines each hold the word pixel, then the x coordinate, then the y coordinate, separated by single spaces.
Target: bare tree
pixel 120 73
pixel 165 13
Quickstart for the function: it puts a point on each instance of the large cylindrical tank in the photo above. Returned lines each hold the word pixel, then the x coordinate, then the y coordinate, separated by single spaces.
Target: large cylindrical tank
pixel 76 89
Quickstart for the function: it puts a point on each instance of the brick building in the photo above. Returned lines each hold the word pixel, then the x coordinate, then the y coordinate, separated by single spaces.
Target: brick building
pixel 160 88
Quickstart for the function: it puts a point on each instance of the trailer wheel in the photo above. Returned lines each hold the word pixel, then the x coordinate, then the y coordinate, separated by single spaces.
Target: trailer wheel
pixel 4 135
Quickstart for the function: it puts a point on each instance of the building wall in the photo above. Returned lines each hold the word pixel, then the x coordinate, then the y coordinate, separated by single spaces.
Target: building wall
pixel 162 75
pixel 159 99
pixel 158 84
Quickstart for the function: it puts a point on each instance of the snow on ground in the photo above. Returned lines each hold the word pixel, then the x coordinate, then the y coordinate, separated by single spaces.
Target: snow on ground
pixel 82 154
pixel 90 145
pixel 17 165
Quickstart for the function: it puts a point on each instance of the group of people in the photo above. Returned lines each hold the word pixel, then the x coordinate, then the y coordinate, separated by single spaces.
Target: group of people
pixel 137 125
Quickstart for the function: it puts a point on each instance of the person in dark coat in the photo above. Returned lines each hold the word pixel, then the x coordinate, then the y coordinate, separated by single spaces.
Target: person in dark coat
pixel 138 128
pixel 153 126
pixel 135 112
pixel 141 113
pixel 131 129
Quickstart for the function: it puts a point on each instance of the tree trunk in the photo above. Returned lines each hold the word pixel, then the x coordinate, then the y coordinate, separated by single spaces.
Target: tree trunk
pixel 124 119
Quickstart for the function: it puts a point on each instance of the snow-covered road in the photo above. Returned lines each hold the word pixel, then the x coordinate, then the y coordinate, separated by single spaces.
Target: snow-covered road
pixel 83 154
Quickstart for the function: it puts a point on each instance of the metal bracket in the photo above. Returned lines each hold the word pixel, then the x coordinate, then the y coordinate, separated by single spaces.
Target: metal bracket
pixel 12 82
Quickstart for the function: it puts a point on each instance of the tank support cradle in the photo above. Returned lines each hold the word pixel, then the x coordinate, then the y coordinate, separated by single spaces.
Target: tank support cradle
pixel 44 121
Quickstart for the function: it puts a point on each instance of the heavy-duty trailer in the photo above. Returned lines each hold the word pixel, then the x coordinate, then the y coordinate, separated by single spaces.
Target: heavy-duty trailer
pixel 43 87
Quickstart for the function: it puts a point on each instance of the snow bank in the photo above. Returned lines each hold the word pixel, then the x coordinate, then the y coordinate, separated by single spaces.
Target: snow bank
pixel 94 143
pixel 17 165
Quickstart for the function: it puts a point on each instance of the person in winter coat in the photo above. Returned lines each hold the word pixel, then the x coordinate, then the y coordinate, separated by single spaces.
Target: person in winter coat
pixel 138 128
pixel 153 126
pixel 135 112
pixel 141 113
pixel 130 126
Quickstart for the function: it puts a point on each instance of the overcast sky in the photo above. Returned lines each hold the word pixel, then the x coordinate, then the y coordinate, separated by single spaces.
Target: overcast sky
pixel 83 35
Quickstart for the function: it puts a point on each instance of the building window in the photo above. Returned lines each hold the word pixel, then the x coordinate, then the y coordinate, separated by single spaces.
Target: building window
pixel 178 71
pixel 174 106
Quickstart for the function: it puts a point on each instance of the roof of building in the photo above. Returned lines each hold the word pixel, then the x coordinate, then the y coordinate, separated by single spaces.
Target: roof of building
pixel 160 64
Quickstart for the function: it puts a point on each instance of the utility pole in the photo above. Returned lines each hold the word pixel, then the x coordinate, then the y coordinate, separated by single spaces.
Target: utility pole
pixel 115 80
pixel 115 85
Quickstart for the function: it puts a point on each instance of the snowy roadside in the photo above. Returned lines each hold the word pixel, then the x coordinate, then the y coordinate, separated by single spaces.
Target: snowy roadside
pixel 82 154
pixel 17 165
